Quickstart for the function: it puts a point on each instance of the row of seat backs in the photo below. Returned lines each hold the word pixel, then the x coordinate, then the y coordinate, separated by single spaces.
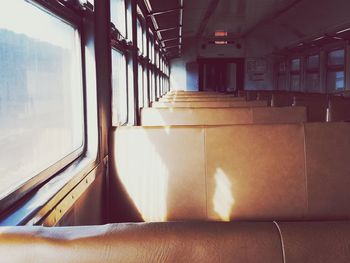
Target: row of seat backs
pixel 221 116
pixel 338 106
pixel 209 104
pixel 183 92
pixel 206 98
pixel 200 95
pixel 253 242
pixel 241 172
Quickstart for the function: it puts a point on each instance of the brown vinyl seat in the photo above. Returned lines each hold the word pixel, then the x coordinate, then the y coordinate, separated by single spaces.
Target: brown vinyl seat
pixel 221 116
pixel 340 108
pixel 241 242
pixel 218 95
pixel 209 104
pixel 241 172
pixel 190 99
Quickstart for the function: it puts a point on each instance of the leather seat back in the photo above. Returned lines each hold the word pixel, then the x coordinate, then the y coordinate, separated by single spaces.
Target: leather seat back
pixel 182 99
pixel 254 242
pixel 340 109
pixel 209 104
pixel 241 172
pixel 152 242
pixel 221 116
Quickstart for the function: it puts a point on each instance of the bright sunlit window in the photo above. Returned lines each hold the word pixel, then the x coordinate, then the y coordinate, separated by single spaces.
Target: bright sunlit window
pixel 118 15
pixel 119 89
pixel 41 93
pixel 139 36
pixel 140 85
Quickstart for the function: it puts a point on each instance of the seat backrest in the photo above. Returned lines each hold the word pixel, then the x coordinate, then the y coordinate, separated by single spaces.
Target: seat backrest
pixel 189 99
pixel 340 108
pixel 316 105
pixel 209 104
pixel 240 172
pixel 254 242
pixel 199 95
pixel 221 116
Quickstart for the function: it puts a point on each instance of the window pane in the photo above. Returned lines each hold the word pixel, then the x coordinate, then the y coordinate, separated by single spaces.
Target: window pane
pixel 282 67
pixel 153 87
pixel 144 39
pixel 149 48
pixel 313 62
pixel 41 95
pixel 131 94
pixel 336 58
pixel 157 58
pixel 129 22
pixel 282 80
pixel 140 85
pixel 145 88
pixel 118 15
pixel 313 82
pixel 139 36
pixel 335 81
pixel 295 83
pixel 152 52
pixel 119 86
pixel 295 65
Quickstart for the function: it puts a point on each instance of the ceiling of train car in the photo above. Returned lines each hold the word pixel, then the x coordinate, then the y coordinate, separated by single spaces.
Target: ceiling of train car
pixel 168 23
pixel 201 18
pixel 314 19
pixel 243 18
pixel 237 17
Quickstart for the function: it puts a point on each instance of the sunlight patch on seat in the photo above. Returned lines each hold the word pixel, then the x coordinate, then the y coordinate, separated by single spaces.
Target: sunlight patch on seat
pixel 144 176
pixel 223 199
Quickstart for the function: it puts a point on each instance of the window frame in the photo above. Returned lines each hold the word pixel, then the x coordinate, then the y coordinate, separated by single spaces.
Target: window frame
pixel 120 50
pixel 313 70
pixel 14 195
pixel 293 73
pixel 282 73
pixel 335 68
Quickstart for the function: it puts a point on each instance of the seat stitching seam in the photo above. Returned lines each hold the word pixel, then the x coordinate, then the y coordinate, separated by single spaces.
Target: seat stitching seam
pixel 305 173
pixel 205 173
pixel 282 242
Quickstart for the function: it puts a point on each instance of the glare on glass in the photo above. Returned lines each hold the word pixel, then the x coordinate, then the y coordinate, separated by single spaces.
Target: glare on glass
pixel 119 89
pixel 118 15
pixel 41 95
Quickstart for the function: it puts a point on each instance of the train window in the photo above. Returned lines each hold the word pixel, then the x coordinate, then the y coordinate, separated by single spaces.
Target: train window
pixel 144 40
pixel 118 15
pixel 282 78
pixel 131 92
pixel 119 89
pixel 335 70
pixel 129 21
pixel 295 75
pixel 312 78
pixel 41 94
pixel 157 58
pixel 336 58
pixel 139 36
pixel 152 52
pixel 145 89
pixel 140 85
pixel 149 48
pixel 153 86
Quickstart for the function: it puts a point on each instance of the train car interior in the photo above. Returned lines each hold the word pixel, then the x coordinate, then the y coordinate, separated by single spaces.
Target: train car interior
pixel 175 131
